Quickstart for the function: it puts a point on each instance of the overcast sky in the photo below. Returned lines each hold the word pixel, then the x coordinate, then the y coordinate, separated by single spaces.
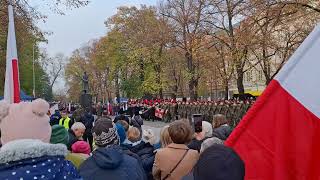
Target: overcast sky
pixel 79 26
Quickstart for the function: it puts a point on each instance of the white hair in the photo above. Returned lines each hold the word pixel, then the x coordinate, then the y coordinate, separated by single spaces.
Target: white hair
pixel 210 142
pixel 77 125
pixel 207 129
pixel 148 136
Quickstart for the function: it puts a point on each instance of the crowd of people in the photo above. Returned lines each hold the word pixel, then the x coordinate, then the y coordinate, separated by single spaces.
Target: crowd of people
pixel 36 146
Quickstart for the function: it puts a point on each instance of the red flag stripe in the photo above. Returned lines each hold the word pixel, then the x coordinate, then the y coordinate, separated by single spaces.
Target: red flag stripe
pixel 15 77
pixel 278 138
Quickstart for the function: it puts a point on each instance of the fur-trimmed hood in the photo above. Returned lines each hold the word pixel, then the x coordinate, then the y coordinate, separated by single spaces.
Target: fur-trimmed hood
pixel 29 148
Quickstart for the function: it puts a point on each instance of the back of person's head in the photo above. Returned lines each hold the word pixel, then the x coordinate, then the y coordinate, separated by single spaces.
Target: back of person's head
pixel 105 133
pixel 207 129
pixel 149 136
pixel 133 134
pixel 121 132
pixel 165 138
pixel 78 126
pixel 210 142
pixel 25 120
pixel 122 112
pixel 219 162
pixel 180 132
pixel 136 113
pixel 81 147
pixel 218 120
pixel 124 124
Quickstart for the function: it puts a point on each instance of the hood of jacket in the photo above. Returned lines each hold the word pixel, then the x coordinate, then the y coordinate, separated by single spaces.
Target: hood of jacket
pixel 108 157
pixel 142 148
pixel 30 148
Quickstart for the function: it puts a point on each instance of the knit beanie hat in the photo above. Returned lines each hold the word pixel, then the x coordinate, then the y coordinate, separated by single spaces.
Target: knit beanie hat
pixel 219 162
pixel 59 135
pixel 81 147
pixel 105 133
pixel 25 120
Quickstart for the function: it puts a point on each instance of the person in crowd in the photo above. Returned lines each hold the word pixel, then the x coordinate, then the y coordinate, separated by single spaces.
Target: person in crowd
pixel 109 160
pixel 65 121
pixel 221 128
pixel 209 142
pixel 121 116
pixel 121 132
pixel 87 119
pixel 26 152
pixel 137 121
pixel 60 135
pixel 144 150
pixel 201 136
pixel 55 118
pixel 124 124
pixel 219 162
pixel 80 152
pixel 176 160
pixel 75 133
pixel 165 138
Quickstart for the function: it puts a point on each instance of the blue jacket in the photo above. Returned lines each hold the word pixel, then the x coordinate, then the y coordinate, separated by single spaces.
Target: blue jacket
pixel 32 159
pixel 46 167
pixel 111 163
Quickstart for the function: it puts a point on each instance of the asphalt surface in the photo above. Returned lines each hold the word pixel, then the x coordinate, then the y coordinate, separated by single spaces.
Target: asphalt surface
pixel 156 126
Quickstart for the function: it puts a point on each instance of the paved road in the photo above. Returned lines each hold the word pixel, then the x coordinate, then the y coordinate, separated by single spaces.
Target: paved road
pixel 155 126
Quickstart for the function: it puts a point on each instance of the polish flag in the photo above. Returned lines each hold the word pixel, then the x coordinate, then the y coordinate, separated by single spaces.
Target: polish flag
pixel 279 138
pixel 12 85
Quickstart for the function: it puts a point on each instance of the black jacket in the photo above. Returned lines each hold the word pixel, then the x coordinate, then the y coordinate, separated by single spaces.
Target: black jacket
pixel 87 119
pixel 72 139
pixel 111 163
pixel 121 117
pixel 146 153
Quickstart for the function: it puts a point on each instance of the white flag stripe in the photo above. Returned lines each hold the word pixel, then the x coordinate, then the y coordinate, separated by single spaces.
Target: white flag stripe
pixel 301 74
pixel 11 55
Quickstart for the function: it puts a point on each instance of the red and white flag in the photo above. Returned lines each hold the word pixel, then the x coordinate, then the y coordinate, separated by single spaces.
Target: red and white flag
pixel 279 138
pixel 159 113
pixel 12 84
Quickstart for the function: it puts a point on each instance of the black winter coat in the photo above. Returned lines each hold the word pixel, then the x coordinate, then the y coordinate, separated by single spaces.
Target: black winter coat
pixel 111 163
pixel 146 153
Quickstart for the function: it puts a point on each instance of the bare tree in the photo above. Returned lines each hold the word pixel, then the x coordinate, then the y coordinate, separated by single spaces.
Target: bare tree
pixel 187 17
pixel 54 67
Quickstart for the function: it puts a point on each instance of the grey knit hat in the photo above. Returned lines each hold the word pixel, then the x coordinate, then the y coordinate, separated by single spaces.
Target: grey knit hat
pixel 105 133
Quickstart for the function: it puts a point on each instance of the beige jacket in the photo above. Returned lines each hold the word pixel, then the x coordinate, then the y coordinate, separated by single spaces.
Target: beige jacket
pixel 167 158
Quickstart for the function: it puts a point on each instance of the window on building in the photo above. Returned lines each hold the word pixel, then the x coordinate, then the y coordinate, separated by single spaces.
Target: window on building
pixel 260 75
pixel 249 76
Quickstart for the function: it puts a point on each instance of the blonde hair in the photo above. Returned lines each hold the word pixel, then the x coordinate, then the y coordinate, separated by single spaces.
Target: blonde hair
pixel 133 134
pixel 165 138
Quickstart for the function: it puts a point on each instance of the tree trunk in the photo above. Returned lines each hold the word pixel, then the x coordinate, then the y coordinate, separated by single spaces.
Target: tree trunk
pixel 240 82
pixel 226 93
pixel 158 80
pixel 141 69
pixel 117 86
pixel 192 82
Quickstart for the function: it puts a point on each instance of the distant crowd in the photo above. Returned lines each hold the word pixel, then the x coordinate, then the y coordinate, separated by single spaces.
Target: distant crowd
pixel 93 147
